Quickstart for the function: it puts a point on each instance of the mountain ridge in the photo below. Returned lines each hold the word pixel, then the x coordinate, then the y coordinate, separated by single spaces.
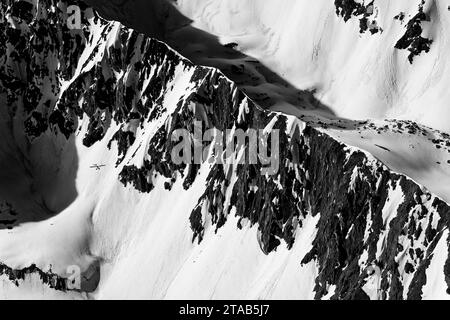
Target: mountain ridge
pixel 121 107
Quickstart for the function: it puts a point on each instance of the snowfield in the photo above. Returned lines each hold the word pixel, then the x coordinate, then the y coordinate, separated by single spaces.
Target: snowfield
pixel 303 59
pixel 358 210
pixel 358 76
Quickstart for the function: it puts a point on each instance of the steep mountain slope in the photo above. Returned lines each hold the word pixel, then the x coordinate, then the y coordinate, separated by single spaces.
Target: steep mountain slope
pixel 326 67
pixel 103 103
pixel 324 46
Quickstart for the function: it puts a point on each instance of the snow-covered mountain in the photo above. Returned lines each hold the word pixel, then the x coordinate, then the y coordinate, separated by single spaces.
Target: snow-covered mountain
pixel 357 208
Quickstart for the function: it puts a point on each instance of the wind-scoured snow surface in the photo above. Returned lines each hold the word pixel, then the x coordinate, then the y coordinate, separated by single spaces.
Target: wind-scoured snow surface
pixel 357 209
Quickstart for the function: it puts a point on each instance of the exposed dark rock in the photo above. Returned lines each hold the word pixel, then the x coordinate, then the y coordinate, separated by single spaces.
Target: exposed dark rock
pixel 50 279
pixel 124 140
pixel 412 40
pixel 346 190
pixel 348 9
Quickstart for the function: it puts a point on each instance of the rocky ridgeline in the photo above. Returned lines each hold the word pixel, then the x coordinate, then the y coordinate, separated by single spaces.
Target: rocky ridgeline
pixel 368 215
pixel 17 276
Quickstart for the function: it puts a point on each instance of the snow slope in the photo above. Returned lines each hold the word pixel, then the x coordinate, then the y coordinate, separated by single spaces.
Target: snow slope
pixel 357 75
pixel 140 226
pixel 303 59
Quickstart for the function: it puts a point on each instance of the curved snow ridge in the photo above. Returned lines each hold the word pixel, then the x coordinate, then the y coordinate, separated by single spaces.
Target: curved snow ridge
pixel 419 152
pixel 440 142
pixel 315 169
pixel 348 73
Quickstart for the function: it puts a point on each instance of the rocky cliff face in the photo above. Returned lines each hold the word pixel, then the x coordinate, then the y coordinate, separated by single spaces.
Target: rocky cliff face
pixel 119 92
